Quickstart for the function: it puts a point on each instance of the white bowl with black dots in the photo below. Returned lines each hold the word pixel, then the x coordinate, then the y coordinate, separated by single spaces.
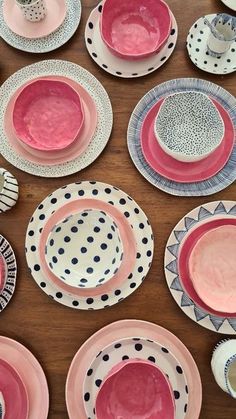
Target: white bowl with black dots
pixel 188 126
pixel 85 249
pixel 133 348
pixel 9 190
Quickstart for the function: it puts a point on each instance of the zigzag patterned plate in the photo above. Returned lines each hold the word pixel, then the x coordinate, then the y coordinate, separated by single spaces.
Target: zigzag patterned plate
pixel 9 258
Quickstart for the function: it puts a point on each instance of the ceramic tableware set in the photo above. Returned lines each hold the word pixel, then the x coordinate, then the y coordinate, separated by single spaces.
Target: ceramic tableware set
pixel 88 244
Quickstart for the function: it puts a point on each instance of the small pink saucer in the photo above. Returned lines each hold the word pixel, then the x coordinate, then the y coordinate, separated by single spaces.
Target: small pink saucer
pixel 175 170
pixel 15 20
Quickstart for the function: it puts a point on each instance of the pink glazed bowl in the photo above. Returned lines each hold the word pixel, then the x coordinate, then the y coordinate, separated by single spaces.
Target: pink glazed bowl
pixel 135 29
pixel 135 389
pixel 48 115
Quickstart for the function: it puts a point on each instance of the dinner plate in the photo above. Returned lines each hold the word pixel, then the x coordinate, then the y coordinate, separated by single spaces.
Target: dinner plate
pixel 115 332
pixel 10 269
pixel 216 183
pixel 175 170
pixel 202 315
pixel 230 3
pixel 95 90
pixel 119 67
pixel 122 202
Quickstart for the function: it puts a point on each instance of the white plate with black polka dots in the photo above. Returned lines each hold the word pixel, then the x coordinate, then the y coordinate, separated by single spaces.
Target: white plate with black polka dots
pixel 118 66
pixel 134 348
pixel 134 215
pixel 230 3
pixel 197 50
pixel 9 271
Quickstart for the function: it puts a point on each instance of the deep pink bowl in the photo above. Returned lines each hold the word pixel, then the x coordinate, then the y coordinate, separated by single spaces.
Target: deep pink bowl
pixel 48 115
pixel 135 29
pixel 135 389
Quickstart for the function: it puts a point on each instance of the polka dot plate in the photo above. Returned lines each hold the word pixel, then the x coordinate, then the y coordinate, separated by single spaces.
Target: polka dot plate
pixel 197 50
pixel 127 207
pixel 118 66
pixel 98 95
pixel 113 334
pixel 47 43
pixel 10 271
pixel 133 348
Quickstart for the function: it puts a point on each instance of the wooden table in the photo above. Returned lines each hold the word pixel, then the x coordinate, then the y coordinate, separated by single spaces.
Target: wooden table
pixel 53 332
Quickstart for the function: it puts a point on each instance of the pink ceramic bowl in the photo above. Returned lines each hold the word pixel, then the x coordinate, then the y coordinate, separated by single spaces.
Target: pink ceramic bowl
pixel 48 115
pixel 135 29
pixel 135 389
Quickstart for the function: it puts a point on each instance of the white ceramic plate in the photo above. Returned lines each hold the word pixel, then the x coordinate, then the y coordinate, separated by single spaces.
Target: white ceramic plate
pixel 10 272
pixel 230 3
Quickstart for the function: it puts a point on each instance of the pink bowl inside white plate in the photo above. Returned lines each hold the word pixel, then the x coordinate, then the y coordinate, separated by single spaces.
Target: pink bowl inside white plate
pixel 48 115
pixel 135 29
pixel 135 389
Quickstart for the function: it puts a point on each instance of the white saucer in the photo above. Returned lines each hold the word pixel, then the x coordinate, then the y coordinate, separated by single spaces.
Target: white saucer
pixel 230 3
pixel 197 50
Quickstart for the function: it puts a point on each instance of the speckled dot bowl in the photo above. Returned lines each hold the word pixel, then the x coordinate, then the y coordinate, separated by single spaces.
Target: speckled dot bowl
pixel 188 126
pixel 85 249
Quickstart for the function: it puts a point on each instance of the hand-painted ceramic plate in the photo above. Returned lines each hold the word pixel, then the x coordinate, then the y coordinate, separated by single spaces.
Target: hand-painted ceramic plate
pixel 88 82
pixel 116 332
pixel 132 348
pixel 10 269
pixel 118 66
pixel 31 374
pixel 216 183
pixel 175 170
pixel 48 43
pixel 197 50
pixel 230 3
pixel 127 207
pixel 15 20
pixel 179 284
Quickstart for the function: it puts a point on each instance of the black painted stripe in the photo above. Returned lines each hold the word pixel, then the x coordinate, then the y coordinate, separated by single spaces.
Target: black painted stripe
pixel 2 202
pixel 11 190
pixel 8 291
pixel 4 298
pixel 9 197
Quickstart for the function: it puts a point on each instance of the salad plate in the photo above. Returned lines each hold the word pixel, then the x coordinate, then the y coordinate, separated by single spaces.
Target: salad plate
pixel 8 282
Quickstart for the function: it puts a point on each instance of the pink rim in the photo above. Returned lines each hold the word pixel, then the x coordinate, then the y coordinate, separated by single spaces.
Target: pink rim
pixel 175 170
pixel 125 329
pixel 2 273
pixel 127 238
pixel 61 156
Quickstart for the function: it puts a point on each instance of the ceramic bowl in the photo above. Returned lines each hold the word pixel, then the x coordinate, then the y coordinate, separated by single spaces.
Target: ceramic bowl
pixel 9 190
pixel 48 115
pixel 85 249
pixel 135 29
pixel 188 126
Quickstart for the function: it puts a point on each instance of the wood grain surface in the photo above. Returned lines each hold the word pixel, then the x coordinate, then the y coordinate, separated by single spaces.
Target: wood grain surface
pixel 53 332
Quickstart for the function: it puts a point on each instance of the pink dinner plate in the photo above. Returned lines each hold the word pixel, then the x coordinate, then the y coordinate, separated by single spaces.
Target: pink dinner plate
pixel 175 170
pixel 14 392
pixel 125 329
pixel 32 375
pixel 49 158
pixel 15 20
pixel 127 238
pixel 183 263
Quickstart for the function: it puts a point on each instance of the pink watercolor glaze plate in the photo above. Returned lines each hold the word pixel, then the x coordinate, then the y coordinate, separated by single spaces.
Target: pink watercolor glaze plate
pixel 59 156
pixel 127 238
pixel 14 392
pixel 121 330
pixel 175 170
pixel 15 20
pixel 48 115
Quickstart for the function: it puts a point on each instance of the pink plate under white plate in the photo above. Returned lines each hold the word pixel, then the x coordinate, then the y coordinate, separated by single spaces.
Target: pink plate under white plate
pixel 2 273
pixel 15 20
pixel 175 170
pixel 14 392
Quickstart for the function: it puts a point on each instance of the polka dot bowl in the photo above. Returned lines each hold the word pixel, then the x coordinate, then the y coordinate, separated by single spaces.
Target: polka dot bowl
pixel 85 249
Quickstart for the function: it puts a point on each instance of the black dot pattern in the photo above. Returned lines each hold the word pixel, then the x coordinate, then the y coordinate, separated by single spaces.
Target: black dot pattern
pixel 33 10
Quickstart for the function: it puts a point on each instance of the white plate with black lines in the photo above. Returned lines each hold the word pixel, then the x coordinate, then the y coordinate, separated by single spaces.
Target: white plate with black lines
pixel 197 50
pixel 127 206
pixel 117 66
pixel 10 267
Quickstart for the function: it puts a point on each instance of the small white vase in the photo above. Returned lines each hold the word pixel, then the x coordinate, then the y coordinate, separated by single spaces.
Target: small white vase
pixel 223 366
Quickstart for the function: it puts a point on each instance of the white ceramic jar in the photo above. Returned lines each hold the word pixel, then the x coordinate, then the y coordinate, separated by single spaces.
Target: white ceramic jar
pixel 223 366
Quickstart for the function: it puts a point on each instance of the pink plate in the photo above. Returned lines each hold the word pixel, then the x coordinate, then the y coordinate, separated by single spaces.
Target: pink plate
pixel 135 389
pixel 175 170
pixel 127 238
pixel 32 375
pixel 14 392
pixel 121 330
pixel 15 20
pixel 59 156
pixel 2 273
pixel 48 115
pixel 183 262
pixel 135 29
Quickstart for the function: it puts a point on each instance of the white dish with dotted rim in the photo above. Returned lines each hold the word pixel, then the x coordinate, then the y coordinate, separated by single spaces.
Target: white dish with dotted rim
pixel 10 269
pixel 117 66
pixel 197 50
pixel 132 348
pixel 127 206
pixel 230 3
pixel 47 43
pixel 88 82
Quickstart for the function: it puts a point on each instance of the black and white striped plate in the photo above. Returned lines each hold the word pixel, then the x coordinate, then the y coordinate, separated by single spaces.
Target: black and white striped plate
pixel 9 258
